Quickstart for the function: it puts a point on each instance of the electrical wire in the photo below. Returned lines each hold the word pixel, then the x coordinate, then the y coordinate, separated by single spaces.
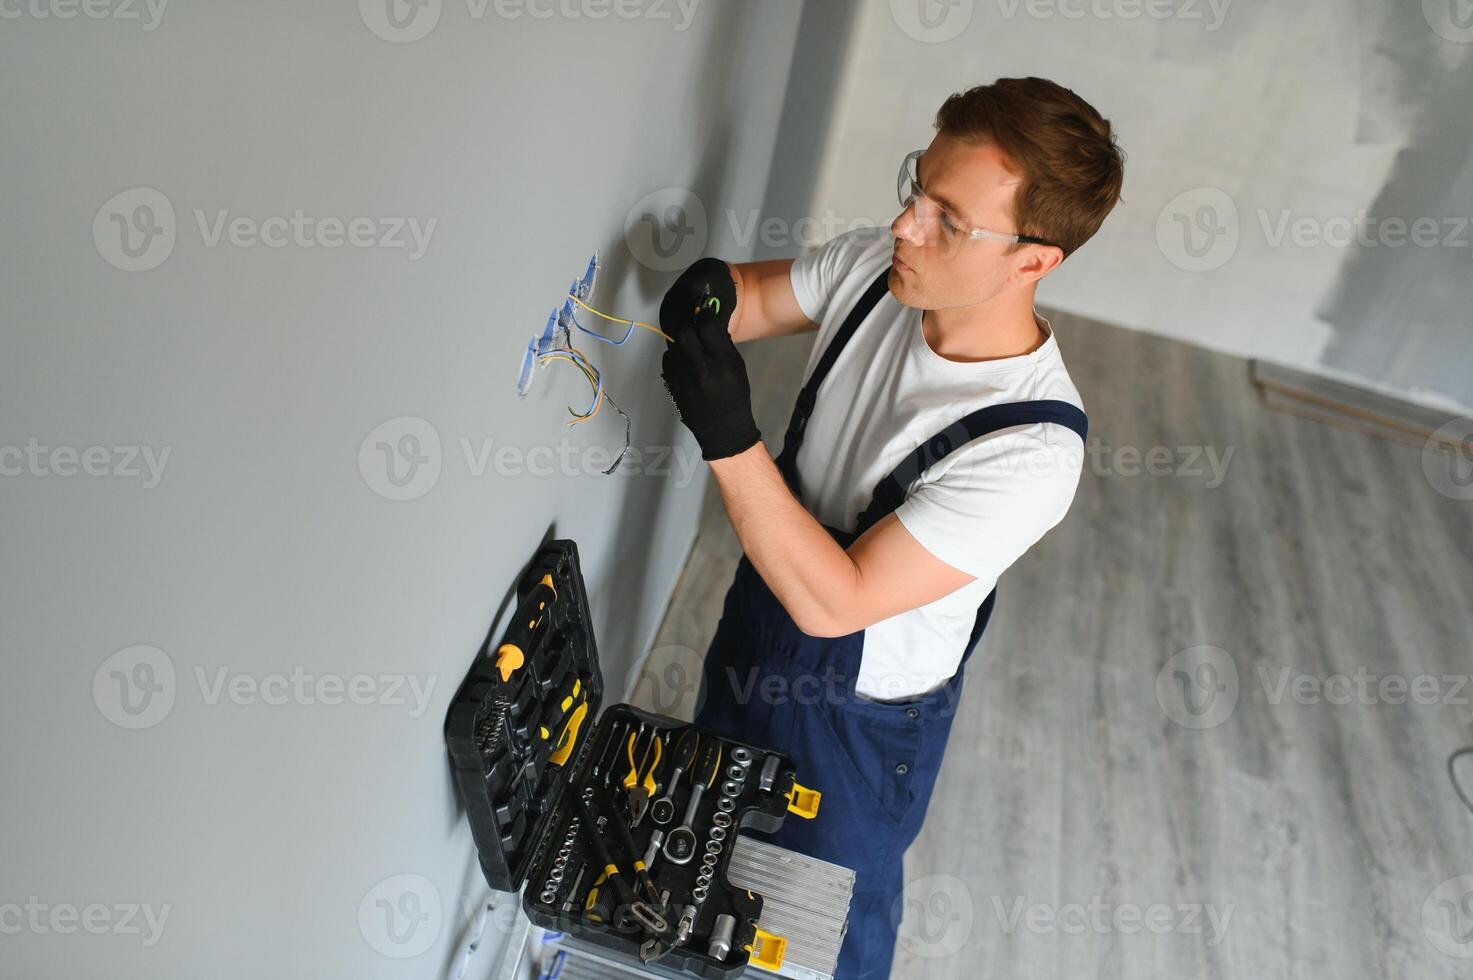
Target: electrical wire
pixel 595 378
pixel 615 319
pixel 1452 774
pixel 473 942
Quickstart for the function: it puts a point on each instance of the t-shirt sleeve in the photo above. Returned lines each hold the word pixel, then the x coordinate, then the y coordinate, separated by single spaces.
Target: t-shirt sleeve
pixel 993 500
pixel 816 273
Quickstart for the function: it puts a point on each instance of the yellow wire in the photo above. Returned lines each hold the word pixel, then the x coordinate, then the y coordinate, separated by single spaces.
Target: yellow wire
pixel 619 319
pixel 598 396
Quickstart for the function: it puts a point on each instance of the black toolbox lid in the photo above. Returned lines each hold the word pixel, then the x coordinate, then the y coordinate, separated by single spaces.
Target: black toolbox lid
pixel 504 735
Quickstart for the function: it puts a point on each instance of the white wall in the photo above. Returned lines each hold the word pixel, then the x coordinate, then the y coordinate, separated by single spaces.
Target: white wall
pixel 263 551
pixel 1257 111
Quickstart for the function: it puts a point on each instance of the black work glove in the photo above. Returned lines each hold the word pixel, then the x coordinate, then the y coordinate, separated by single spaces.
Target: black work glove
pixel 706 277
pixel 707 379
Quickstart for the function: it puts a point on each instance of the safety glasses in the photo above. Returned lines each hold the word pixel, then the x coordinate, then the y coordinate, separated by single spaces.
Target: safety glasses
pixel 931 214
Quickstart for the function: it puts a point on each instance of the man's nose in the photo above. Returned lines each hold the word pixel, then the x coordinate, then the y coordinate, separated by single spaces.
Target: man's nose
pixel 905 226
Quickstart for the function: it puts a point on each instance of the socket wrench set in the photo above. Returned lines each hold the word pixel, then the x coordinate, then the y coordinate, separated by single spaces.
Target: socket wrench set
pixel 621 829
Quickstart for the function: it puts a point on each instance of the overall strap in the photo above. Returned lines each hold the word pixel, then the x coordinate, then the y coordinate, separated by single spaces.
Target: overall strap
pixel 787 460
pixel 891 490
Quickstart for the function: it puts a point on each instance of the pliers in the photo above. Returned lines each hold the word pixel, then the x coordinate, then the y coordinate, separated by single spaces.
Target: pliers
pixel 640 783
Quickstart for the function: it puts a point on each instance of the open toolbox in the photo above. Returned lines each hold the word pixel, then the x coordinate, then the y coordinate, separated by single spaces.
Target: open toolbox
pixel 622 828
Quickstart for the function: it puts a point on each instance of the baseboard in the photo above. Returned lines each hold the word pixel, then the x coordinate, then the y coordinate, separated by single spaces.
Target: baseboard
pixel 1347 406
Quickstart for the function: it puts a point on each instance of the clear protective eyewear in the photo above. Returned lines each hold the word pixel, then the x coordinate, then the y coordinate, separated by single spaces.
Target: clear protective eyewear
pixel 908 189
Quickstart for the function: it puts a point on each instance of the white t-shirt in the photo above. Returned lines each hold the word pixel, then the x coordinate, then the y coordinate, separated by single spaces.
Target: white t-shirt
pixel 978 509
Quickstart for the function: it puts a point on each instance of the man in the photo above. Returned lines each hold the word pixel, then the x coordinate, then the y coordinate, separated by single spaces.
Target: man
pixel 936 438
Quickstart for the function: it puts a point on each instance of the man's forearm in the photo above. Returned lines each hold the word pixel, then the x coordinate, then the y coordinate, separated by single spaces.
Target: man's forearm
pixel 800 561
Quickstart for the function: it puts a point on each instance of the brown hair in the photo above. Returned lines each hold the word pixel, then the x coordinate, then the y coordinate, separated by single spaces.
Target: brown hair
pixel 1063 149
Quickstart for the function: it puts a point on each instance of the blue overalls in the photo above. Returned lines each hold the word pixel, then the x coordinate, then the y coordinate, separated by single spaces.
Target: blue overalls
pixel 875 762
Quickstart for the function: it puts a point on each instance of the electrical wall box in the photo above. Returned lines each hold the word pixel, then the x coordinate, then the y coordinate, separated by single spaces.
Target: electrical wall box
pixel 547 792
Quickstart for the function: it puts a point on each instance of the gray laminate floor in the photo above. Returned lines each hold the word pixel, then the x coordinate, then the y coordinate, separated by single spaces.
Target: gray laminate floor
pixel 1206 734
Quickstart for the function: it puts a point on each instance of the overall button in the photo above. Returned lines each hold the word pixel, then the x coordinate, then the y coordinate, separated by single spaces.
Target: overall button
pixel 902 768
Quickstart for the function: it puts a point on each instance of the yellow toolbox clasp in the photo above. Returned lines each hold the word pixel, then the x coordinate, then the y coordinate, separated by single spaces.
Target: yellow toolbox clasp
pixel 803 801
pixel 767 950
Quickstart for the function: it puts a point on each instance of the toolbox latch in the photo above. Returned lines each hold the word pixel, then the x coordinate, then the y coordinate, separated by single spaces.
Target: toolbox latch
pixel 767 950
pixel 803 801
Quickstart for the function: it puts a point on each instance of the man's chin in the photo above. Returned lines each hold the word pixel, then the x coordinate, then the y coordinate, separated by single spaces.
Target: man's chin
pixel 902 288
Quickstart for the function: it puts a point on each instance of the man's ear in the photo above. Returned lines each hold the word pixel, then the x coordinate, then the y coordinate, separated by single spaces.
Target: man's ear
pixel 1037 261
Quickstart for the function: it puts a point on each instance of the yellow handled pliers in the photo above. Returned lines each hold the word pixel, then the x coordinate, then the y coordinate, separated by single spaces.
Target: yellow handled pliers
pixel 641 781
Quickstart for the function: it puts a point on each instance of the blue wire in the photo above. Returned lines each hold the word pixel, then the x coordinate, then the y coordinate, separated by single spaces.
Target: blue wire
pixel 573 355
pixel 573 315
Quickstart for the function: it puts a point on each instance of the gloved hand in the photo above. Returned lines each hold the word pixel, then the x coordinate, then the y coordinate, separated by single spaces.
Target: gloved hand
pixel 705 277
pixel 707 379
